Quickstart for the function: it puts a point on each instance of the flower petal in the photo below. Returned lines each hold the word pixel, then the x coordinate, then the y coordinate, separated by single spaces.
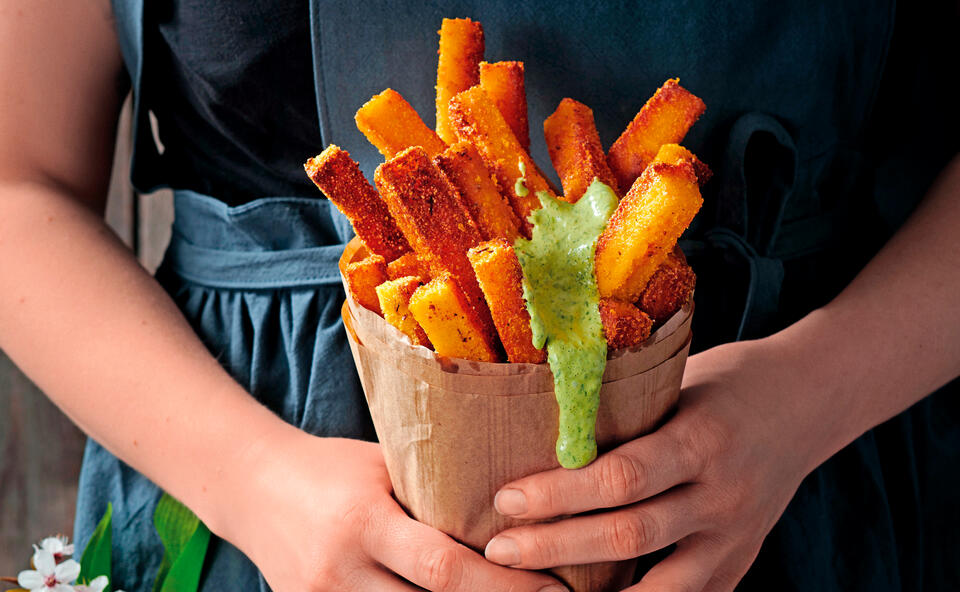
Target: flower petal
pixel 44 562
pixel 98 584
pixel 30 579
pixel 67 571
pixel 52 544
pixel 62 588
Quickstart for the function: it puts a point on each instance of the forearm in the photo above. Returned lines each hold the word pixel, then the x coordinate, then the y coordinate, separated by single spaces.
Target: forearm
pixel 102 339
pixel 893 335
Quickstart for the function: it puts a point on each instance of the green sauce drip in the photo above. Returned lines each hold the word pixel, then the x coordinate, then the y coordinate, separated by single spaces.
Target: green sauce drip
pixel 561 293
pixel 520 187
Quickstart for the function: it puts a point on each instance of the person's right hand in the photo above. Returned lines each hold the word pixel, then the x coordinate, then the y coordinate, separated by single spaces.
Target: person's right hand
pixel 320 516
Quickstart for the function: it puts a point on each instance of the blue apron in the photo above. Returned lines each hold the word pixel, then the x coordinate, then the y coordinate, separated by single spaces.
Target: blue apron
pixel 787 95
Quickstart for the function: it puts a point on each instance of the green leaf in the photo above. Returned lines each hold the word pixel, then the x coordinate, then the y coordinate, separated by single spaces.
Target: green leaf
pixel 185 540
pixel 95 560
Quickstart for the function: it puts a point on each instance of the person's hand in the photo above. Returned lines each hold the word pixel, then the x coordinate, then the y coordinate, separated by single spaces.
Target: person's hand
pixel 320 516
pixel 713 479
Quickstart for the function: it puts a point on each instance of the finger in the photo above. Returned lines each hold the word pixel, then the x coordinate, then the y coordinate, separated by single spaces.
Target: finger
pixel 377 579
pixel 634 471
pixel 610 536
pixel 688 569
pixel 434 561
pixel 729 574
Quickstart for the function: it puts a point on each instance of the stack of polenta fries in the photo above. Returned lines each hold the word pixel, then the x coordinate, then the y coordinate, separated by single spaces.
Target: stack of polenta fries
pixel 448 205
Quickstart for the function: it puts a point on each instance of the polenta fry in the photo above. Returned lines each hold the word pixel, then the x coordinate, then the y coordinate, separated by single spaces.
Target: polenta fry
pixel 363 277
pixel 503 83
pixel 675 154
pixel 339 178
pixel 645 228
pixel 670 287
pixel 575 149
pixel 458 68
pixel 432 216
pixel 394 297
pixel 392 125
pixel 488 208
pixel 499 274
pixel 624 325
pixel 406 265
pixel 478 121
pixel 664 119
pixel 450 321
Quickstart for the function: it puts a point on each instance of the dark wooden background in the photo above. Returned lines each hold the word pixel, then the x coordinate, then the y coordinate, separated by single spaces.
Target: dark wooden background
pixel 40 450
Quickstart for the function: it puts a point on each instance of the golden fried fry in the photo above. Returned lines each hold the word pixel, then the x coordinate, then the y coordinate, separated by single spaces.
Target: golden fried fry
pixel 503 83
pixel 488 208
pixel 394 297
pixel 675 154
pixel 461 50
pixel 392 125
pixel 450 321
pixel 363 277
pixel 644 229
pixel 406 265
pixel 432 216
pixel 575 149
pixel 499 274
pixel 478 121
pixel 624 325
pixel 669 289
pixel 339 177
pixel 665 119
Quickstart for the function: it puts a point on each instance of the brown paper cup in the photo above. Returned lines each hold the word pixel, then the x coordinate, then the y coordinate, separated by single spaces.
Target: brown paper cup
pixel 454 431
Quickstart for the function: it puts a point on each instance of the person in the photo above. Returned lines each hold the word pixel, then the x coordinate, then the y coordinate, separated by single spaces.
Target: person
pixel 807 346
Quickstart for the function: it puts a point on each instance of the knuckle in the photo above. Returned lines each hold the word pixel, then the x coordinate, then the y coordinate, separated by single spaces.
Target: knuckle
pixel 621 478
pixel 441 569
pixel 629 538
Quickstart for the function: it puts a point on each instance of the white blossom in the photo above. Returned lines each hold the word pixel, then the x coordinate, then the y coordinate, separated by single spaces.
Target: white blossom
pixel 59 546
pixel 47 575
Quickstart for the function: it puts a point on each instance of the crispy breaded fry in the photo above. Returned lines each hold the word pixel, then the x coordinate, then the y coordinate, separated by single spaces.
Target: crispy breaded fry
pixel 624 325
pixel 363 277
pixel 503 83
pixel 499 274
pixel 478 121
pixel 392 125
pixel 406 265
pixel 575 149
pixel 339 177
pixel 448 320
pixel 669 289
pixel 644 229
pixel 394 297
pixel 665 119
pixel 675 154
pixel 432 216
pixel 488 208
pixel 461 50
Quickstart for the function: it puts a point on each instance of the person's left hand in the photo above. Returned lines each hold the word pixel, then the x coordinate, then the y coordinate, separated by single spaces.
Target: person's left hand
pixel 713 479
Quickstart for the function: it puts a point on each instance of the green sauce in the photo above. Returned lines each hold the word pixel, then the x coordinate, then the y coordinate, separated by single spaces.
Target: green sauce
pixel 520 187
pixel 562 298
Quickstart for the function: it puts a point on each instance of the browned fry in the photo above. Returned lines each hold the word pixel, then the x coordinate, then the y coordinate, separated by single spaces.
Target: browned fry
pixel 669 289
pixel 363 277
pixel 449 321
pixel 406 265
pixel 461 50
pixel 339 177
pixel 432 216
pixel 665 119
pixel 487 206
pixel 478 121
pixel 392 125
pixel 645 228
pixel 675 154
pixel 503 83
pixel 394 296
pixel 499 274
pixel 624 325
pixel 575 149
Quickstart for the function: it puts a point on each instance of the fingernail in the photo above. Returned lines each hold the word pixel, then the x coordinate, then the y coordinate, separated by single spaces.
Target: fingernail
pixel 554 588
pixel 510 502
pixel 502 550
